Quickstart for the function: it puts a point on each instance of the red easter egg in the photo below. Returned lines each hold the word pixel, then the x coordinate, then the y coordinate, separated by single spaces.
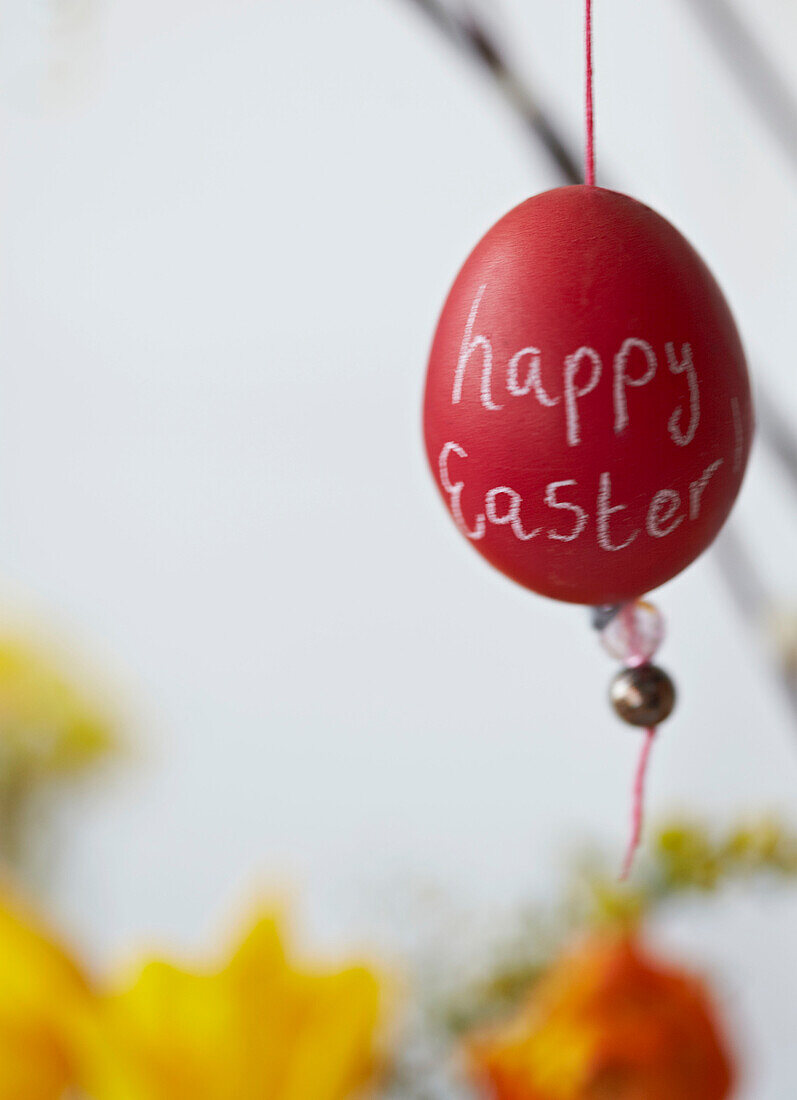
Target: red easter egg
pixel 587 413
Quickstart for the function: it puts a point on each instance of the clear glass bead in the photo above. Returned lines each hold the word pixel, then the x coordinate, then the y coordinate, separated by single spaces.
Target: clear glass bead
pixel 634 634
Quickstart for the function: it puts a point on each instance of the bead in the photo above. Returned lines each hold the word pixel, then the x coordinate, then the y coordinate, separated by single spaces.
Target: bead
pixel 642 696
pixel 634 634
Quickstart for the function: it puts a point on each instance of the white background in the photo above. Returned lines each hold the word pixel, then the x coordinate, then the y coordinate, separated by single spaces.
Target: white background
pixel 227 227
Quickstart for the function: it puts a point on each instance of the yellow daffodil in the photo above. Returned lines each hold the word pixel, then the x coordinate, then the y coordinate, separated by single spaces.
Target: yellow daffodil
pixel 48 730
pixel 254 1028
pixel 40 990
pixel 46 726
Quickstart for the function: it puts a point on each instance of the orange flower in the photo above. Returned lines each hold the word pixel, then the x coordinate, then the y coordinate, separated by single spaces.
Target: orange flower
pixel 607 1023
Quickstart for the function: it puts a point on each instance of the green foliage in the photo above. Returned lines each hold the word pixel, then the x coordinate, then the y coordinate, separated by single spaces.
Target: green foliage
pixel 682 858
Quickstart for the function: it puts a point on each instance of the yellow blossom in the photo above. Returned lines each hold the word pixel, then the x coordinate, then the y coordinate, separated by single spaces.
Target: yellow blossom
pixel 40 989
pixel 46 725
pixel 256 1027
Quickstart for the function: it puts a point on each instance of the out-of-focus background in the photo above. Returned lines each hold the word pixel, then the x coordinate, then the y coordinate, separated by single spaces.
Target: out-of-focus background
pixel 226 230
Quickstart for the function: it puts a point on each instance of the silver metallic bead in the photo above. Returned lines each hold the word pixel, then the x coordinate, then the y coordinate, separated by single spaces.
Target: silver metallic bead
pixel 642 696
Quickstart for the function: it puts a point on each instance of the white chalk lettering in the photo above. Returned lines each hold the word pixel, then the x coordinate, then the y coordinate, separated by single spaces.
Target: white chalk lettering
pixel 470 344
pixel 503 507
pixel 679 437
pixel 605 513
pixel 512 516
pixel 580 521
pixel 738 435
pixel 661 512
pixel 533 379
pixel 622 379
pixel 572 393
pixel 697 488
pixel 523 377
pixel 454 490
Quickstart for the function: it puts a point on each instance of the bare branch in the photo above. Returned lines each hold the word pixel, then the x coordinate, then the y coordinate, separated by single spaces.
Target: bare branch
pixel 753 69
pixel 467 33
pixel 778 436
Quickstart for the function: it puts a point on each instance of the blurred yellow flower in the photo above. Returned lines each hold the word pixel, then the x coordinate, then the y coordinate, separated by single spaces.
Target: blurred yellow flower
pixel 48 731
pixel 608 1021
pixel 46 726
pixel 256 1027
pixel 40 989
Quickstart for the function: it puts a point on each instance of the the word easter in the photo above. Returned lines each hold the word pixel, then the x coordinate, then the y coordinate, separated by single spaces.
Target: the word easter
pixel 581 373
pixel 503 507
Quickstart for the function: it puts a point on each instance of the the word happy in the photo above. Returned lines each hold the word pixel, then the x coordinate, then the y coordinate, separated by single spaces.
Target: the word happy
pixel 634 365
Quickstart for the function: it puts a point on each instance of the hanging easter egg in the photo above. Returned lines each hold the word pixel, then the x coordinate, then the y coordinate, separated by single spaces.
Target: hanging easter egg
pixel 587 414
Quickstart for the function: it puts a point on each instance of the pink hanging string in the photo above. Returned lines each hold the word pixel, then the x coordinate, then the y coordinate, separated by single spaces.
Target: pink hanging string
pixel 638 803
pixel 589 158
pixel 636 657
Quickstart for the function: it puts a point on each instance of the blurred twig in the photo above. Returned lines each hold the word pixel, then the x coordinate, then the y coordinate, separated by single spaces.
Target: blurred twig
pixel 738 569
pixel 469 34
pixel 775 102
pixel 779 437
pixel 754 70
pixel 758 609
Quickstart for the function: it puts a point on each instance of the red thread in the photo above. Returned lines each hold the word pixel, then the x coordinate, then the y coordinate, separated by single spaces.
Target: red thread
pixel 638 803
pixel 636 657
pixel 589 159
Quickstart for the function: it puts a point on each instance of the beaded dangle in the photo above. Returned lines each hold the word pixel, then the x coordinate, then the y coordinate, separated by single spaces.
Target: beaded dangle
pixel 642 694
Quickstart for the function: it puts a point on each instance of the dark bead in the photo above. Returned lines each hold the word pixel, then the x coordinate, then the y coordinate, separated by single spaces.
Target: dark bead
pixel 642 696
